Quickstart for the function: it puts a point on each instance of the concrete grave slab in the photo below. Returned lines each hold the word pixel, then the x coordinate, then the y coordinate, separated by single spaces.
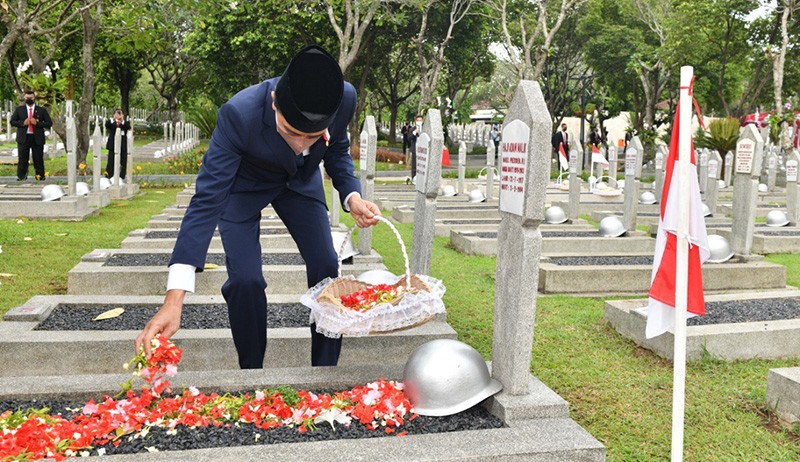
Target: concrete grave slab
pixel 26 351
pixel 538 428
pixel 731 341
pixel 472 242
pixel 609 276
pixel 783 393
pixel 93 277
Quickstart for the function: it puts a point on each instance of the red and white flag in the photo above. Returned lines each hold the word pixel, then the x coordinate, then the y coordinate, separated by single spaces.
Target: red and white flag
pixel 660 312
pixel 598 157
pixel 563 160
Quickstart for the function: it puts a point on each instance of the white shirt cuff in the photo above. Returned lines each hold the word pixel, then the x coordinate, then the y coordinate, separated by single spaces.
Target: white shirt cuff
pixel 181 276
pixel 346 205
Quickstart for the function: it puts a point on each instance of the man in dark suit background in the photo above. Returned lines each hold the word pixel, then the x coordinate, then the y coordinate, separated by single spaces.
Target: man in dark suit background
pixel 560 139
pixel 266 149
pixel 31 121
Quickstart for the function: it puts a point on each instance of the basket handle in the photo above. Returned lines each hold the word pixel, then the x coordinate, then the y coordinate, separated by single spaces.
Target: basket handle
pixel 399 240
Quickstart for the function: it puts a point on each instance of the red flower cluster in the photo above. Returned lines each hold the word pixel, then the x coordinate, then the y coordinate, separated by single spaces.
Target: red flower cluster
pixel 33 434
pixel 366 299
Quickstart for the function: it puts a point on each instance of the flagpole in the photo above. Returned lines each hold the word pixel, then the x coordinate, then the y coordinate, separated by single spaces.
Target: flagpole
pixel 682 264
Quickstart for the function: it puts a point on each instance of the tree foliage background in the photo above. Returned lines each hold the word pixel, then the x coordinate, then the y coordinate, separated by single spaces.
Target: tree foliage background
pixel 623 55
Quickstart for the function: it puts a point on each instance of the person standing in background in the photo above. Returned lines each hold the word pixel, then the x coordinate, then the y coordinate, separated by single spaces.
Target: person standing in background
pixel 31 120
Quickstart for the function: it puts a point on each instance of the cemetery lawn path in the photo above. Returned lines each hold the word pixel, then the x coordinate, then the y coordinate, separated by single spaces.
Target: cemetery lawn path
pixel 39 266
pixel 620 393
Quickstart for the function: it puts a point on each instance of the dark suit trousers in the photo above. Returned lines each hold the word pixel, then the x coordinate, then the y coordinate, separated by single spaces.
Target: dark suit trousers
pixel 307 222
pixel 24 152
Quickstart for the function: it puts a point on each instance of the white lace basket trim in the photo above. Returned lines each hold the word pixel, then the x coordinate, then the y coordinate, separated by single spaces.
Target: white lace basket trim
pixel 412 309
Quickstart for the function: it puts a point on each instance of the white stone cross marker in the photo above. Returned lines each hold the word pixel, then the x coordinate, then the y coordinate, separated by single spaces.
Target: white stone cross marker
pixel 703 171
pixel 490 171
pixel 72 165
pixel 575 163
pixel 712 188
pixel 366 164
pixel 116 160
pixel 772 170
pixel 792 196
pixel 525 168
pixel 97 163
pixel 633 172
pixel 749 151
pixel 462 165
pixel 429 171
pixel 661 160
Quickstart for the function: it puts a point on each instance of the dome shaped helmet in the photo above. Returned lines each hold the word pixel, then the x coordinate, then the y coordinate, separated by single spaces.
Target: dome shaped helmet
pixel 476 195
pixel 777 218
pixel 444 377
pixel 52 192
pixel 339 240
pixel 647 198
pixel 555 215
pixel 611 227
pixel 720 249
pixel 81 188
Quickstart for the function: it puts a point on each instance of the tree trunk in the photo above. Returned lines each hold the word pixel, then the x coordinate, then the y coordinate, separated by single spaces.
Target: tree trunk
pixel 91 26
pixel 780 58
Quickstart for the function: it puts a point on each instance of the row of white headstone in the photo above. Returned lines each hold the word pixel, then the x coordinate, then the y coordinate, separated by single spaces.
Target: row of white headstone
pixel 179 138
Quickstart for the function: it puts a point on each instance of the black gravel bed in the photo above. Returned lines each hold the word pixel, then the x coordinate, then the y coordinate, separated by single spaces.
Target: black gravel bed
pixel 769 309
pixel 211 316
pixel 475 418
pixel 18 198
pixel 602 261
pixel 493 234
pixel 158 234
pixel 471 222
pixel 778 232
pixel 162 259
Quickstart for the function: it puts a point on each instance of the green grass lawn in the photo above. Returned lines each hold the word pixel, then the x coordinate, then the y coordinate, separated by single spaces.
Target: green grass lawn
pixel 619 392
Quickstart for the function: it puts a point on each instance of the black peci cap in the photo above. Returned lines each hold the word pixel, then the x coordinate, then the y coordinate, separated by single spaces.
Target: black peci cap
pixel 309 92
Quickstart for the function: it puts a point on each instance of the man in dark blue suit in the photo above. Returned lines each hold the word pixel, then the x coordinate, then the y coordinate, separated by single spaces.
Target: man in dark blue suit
pixel 266 149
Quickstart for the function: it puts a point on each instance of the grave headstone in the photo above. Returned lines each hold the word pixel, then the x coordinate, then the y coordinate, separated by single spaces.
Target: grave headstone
pixel 612 166
pixel 633 173
pixel 729 169
pixel 703 170
pixel 334 219
pixel 712 188
pixel 526 149
pixel 661 157
pixel 97 163
pixel 8 127
pixel 429 172
pixel 129 160
pixel 462 165
pixel 792 197
pixel 575 163
pixel 749 151
pixel 490 171
pixel 772 170
pixel 72 164
pixel 117 147
pixel 368 148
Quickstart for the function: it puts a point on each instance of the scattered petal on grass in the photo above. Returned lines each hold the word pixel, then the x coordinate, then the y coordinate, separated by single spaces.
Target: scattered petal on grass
pixel 7 275
pixel 61 234
pixel 26 238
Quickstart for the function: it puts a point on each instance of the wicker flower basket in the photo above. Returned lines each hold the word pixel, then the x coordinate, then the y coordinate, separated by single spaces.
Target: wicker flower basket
pixel 418 304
